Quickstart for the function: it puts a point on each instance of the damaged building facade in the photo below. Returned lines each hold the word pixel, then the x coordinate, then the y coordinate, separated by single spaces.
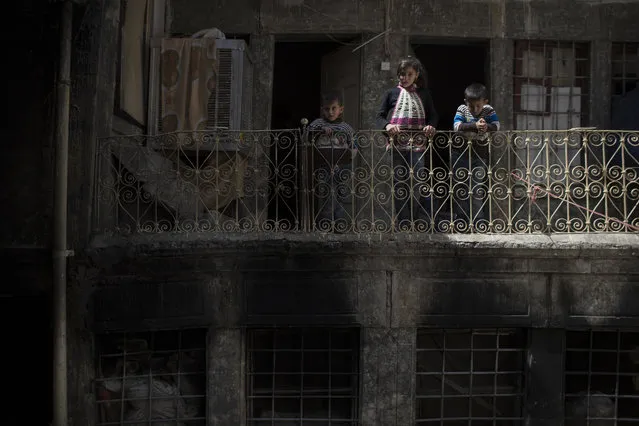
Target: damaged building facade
pixel 236 306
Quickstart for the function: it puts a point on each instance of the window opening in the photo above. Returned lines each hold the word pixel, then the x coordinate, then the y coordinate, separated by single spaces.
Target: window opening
pixel 301 376
pixel 470 377
pixel 625 68
pixel 551 84
pixel 602 378
pixel 153 378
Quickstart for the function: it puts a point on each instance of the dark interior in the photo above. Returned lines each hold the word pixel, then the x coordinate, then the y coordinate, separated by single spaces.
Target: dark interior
pixel 450 69
pixel 297 85
pixel 297 81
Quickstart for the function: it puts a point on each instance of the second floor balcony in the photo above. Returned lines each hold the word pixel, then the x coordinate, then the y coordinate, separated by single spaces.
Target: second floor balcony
pixel 289 181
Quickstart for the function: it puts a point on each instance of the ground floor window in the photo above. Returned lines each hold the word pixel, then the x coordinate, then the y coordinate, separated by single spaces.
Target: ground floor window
pixel 470 377
pixel 602 378
pixel 310 376
pixel 152 378
pixel 303 376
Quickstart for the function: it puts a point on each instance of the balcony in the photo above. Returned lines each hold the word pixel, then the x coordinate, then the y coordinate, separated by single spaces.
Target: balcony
pixel 286 181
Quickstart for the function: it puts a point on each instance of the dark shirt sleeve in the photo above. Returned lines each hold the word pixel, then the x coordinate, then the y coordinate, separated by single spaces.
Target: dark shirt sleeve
pixel 381 120
pixel 467 127
pixel 472 127
pixel 432 118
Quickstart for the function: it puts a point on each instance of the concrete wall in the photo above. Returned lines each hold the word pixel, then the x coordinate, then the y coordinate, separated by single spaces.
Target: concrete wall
pixel 543 19
pixel 29 145
pixel 233 281
pixel 95 44
pixel 96 39
pixel 388 288
pixel 499 21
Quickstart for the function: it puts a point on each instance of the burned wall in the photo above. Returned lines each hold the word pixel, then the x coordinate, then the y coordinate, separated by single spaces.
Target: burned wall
pixel 238 281
pixel 388 288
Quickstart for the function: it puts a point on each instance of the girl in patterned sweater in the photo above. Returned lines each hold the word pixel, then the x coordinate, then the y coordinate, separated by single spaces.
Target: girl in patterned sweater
pixel 408 115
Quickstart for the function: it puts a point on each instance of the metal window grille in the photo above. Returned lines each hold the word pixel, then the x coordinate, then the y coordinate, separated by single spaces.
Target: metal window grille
pixel 303 376
pixel 153 378
pixel 602 378
pixel 551 84
pixel 470 377
pixel 247 92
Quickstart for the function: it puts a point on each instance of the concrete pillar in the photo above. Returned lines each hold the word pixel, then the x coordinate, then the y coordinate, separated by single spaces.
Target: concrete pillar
pixel 263 50
pixel 387 370
pixel 501 80
pixel 545 365
pixel 600 83
pixel 375 81
pixel 226 394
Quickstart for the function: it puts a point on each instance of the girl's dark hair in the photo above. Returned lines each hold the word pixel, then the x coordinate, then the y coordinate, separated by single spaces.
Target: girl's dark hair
pixel 410 62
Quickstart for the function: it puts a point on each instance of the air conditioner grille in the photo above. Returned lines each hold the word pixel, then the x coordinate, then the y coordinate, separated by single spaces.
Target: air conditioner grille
pixel 219 107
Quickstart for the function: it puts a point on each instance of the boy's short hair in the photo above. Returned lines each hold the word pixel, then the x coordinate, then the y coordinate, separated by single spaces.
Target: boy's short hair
pixel 332 96
pixel 476 92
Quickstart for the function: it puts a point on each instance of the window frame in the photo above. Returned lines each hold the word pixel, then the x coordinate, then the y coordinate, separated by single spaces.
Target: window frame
pixel 580 78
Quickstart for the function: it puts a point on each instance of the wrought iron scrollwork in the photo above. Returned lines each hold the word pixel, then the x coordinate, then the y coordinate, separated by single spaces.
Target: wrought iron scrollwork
pixel 285 181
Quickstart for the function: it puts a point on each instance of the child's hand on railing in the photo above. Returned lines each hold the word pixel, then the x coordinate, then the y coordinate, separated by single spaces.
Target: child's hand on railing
pixel 429 130
pixel 393 129
pixel 482 126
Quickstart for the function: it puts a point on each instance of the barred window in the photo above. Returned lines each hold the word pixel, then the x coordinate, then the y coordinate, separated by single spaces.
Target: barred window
pixel 470 377
pixel 602 378
pixel 303 376
pixel 551 84
pixel 152 378
pixel 625 79
pixel 625 68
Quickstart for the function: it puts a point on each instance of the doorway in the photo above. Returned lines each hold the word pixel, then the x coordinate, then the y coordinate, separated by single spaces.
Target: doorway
pixel 303 69
pixel 450 68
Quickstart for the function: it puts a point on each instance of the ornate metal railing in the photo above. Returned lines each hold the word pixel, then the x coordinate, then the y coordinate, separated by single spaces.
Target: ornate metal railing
pixel 289 180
